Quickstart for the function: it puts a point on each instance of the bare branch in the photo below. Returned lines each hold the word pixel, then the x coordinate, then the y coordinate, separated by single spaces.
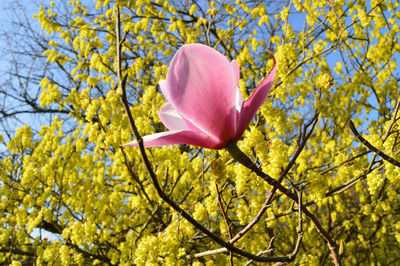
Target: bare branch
pixel 371 147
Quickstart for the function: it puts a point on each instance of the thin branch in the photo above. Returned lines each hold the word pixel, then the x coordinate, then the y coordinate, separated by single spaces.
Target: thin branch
pixel 353 181
pixel 17 251
pixel 343 163
pixel 282 176
pixel 267 250
pixel 371 147
pixel 221 206
pixel 300 232
pixel 242 158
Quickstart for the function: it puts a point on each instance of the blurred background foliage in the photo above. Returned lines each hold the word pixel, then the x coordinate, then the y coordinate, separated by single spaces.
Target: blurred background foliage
pixel 72 194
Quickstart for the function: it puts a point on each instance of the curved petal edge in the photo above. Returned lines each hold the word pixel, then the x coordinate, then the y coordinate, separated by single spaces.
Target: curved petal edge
pixel 180 137
pixel 254 102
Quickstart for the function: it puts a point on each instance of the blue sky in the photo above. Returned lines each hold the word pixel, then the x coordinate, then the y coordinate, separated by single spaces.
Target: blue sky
pixel 8 12
pixel 11 11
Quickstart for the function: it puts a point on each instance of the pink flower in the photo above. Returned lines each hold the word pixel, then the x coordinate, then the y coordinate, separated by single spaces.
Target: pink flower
pixel 205 106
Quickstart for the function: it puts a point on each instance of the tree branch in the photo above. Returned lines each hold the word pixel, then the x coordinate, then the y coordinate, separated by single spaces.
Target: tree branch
pixel 242 158
pixel 371 147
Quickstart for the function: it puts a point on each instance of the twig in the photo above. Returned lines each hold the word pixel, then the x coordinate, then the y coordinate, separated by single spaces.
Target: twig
pixel 353 181
pixel 268 250
pixel 371 147
pixel 242 158
pixel 225 219
pixel 344 162
pixel 222 250
pixel 300 229
pixel 393 120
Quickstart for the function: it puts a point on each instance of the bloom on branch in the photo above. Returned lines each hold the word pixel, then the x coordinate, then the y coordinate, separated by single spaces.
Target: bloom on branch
pixel 205 106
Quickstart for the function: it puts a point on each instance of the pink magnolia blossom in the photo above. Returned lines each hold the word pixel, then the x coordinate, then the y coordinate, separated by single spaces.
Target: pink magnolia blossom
pixel 205 106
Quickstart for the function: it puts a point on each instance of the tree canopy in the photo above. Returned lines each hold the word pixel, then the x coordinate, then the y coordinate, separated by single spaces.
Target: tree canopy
pixel 323 178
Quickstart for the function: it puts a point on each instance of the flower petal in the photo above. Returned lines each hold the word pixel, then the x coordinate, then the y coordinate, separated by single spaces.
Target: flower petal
pixel 251 105
pixel 239 104
pixel 200 85
pixel 239 100
pixel 171 119
pixel 235 66
pixel 179 137
pixel 239 96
